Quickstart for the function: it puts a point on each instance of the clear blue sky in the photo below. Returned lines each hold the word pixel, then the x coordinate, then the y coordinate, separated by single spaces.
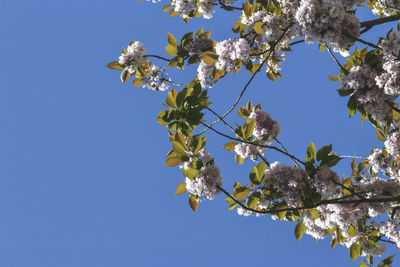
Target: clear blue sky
pixel 82 181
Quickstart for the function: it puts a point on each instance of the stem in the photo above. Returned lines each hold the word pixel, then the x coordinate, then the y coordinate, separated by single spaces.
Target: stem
pixel 336 60
pixel 159 57
pixel 251 143
pixel 357 157
pixel 293 159
pixel 248 83
pixel 216 114
pixel 341 200
pixel 374 22
pixel 362 41
pixel 297 42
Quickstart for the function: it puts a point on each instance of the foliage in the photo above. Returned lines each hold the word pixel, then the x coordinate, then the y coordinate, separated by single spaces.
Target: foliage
pixel 360 211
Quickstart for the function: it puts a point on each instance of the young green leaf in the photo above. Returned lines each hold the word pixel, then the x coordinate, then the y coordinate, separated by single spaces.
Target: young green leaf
pixel 180 189
pixel 299 230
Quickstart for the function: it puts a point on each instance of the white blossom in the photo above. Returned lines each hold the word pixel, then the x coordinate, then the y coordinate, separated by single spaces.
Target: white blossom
pixel 265 125
pixel 205 183
pixel 327 21
pixel 378 161
pixel 392 143
pixel 229 51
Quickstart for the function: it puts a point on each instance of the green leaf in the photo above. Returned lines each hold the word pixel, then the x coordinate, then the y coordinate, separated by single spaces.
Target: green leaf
pixel 258 27
pixel 331 160
pixel 172 41
pixel 166 8
pixel 238 159
pixel 137 82
pixel 178 148
pixel 170 100
pixel 230 146
pixel 124 76
pixel 254 176
pixel 246 8
pixel 242 192
pixel 386 262
pixel 323 152
pixel 232 206
pixel 351 105
pixel 380 135
pixel 333 78
pixel 229 200
pixel 334 242
pixel 322 47
pixel 299 230
pixel 173 161
pixel 114 65
pixel 173 62
pixel 281 215
pixel 190 173
pixel 180 189
pixel 199 32
pixel 344 92
pixel 171 50
pixel 363 264
pixel 209 58
pixel 311 150
pixel 314 214
pixel 355 251
pixel 249 129
pixel 194 202
pixel 261 169
pixel 252 201
pixel 352 231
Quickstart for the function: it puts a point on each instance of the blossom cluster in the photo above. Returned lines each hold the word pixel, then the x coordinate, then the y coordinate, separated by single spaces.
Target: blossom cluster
pixel 205 183
pixel 327 21
pixel 157 79
pixel 134 60
pixel 344 215
pixel 266 130
pixel 205 74
pixel 134 52
pixel 293 180
pixel 273 26
pixel 229 51
pixel 198 45
pixel 386 7
pixel 189 8
pixel 392 144
pixel 379 162
pixel 368 92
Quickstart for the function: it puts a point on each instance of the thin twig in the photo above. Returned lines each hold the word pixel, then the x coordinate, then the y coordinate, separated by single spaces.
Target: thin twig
pixel 362 41
pixel 336 60
pixel 226 124
pixel 251 143
pixel 293 159
pixel 297 42
pixel 159 57
pixel 249 81
pixel 348 156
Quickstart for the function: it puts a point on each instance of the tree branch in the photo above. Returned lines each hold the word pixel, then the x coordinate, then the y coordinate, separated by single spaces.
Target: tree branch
pixel 374 22
pixel 341 201
pixel 336 60
pixel 251 143
pixel 159 57
pixel 249 81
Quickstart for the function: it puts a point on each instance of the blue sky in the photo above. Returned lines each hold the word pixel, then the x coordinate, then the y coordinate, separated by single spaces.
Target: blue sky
pixel 82 181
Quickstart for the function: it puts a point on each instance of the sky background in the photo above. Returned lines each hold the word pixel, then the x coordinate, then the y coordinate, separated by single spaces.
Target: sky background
pixel 82 181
